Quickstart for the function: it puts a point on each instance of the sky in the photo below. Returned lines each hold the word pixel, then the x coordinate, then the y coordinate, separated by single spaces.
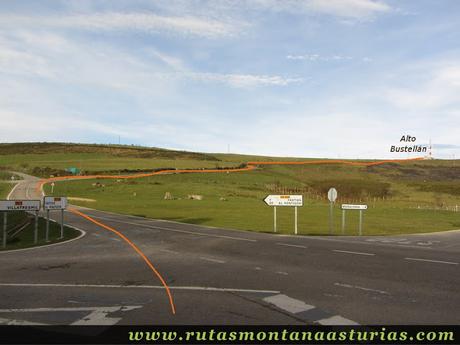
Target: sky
pixel 305 78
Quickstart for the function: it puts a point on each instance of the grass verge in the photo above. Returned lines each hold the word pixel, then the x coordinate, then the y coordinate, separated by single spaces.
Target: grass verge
pixel 26 238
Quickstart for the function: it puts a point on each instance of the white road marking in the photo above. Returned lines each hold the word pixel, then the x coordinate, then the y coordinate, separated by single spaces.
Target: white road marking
pixel 169 251
pixel 435 261
pixel 336 320
pixel 348 252
pixel 291 245
pixel 41 310
pixel 289 304
pixel 282 272
pixel 176 230
pixel 257 268
pixel 12 191
pixel 160 287
pixel 365 242
pixel 11 322
pixel 212 260
pixel 97 315
pixel 361 288
pixel 115 239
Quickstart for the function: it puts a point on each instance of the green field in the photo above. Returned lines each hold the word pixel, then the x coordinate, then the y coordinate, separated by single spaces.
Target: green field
pixel 234 200
pixel 25 239
pixel 412 197
pixel 5 189
pixel 5 185
pixel 42 159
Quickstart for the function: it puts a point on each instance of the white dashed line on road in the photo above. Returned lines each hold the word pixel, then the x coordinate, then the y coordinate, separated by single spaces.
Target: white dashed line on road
pixel 289 304
pixel 361 288
pixel 169 251
pixel 336 320
pixel 306 312
pixel 212 260
pixel 348 252
pixel 434 261
pixel 282 273
pixel 158 287
pixel 291 245
pixel 175 230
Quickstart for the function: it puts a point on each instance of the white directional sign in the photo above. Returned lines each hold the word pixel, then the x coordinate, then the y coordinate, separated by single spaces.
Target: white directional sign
pixel 284 200
pixel 353 207
pixel 54 203
pixel 19 205
pixel 332 194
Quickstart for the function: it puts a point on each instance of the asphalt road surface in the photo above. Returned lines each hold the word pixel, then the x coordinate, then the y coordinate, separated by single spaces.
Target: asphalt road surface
pixel 220 276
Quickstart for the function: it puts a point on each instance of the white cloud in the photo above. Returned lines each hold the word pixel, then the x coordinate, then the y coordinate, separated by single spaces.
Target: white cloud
pixel 245 80
pixel 115 21
pixel 58 59
pixel 352 9
pixel 348 8
pixel 440 89
pixel 317 57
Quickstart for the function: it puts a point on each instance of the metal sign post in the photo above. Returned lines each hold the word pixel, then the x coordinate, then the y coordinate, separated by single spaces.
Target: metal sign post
pixel 5 223
pixel 54 203
pixel 284 200
pixel 62 224
pixel 16 205
pixel 360 208
pixel 52 187
pixel 36 228
pixel 295 220
pixel 332 196
pixel 47 231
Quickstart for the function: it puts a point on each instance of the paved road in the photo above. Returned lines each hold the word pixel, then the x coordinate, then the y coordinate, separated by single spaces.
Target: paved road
pixel 223 276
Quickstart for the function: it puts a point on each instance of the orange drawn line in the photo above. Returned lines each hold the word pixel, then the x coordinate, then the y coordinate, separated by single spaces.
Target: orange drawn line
pixel 142 255
pixel 249 166
pixel 337 161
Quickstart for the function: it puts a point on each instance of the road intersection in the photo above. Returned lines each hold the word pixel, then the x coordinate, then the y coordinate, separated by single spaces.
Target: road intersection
pixel 222 276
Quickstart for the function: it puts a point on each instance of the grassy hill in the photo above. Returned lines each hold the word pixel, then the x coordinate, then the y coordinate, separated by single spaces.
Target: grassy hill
pixel 44 159
pixel 419 196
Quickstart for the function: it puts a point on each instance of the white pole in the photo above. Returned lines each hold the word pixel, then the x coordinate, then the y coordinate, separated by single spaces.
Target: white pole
pixel 274 219
pixel 360 222
pixel 331 217
pixel 295 220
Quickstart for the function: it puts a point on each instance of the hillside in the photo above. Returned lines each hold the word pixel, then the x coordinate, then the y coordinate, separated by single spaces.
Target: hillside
pixel 417 196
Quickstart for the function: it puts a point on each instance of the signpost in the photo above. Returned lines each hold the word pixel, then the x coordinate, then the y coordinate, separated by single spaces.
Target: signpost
pixel 4 229
pixel 54 203
pixel 332 196
pixel 360 208
pixel 52 187
pixel 284 200
pixel 19 205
